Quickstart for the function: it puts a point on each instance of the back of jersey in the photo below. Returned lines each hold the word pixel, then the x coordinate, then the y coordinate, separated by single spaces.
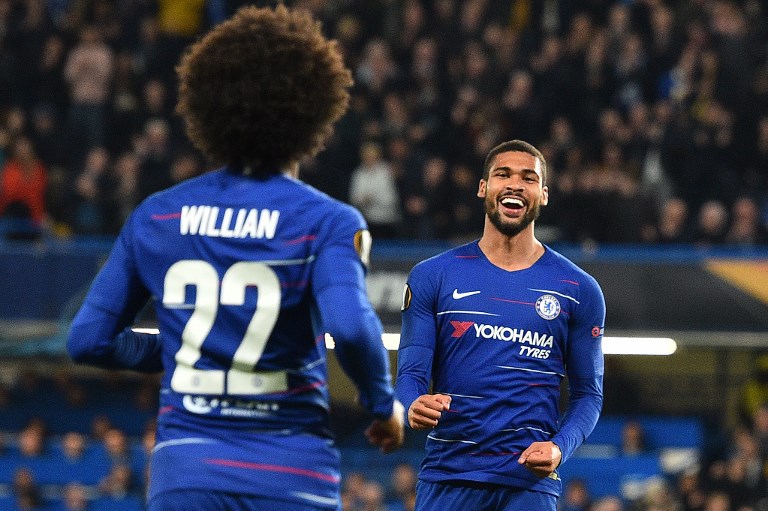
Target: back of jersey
pixel 229 260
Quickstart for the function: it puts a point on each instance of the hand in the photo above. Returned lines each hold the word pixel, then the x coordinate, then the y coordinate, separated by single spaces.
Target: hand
pixel 427 409
pixel 541 458
pixel 388 435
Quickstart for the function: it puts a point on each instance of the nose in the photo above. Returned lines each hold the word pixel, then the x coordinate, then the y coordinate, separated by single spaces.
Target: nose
pixel 515 184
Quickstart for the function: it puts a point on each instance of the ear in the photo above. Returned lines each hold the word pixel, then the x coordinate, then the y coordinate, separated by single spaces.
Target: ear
pixel 481 189
pixel 544 196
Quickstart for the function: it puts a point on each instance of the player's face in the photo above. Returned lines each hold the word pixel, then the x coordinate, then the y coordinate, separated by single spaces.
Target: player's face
pixel 514 192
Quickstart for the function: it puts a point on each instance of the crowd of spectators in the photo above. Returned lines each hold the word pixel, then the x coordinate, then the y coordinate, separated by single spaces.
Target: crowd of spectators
pixel 69 445
pixel 653 114
pixel 81 443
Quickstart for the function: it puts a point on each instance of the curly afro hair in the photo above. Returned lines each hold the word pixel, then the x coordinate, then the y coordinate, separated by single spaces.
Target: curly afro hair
pixel 262 89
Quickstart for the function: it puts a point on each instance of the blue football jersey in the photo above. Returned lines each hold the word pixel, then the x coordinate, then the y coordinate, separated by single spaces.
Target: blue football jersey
pixel 500 343
pixel 247 276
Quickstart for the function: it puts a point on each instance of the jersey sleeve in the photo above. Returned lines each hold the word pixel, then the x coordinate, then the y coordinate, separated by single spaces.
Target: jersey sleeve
pixel 338 283
pixel 100 333
pixel 584 367
pixel 418 336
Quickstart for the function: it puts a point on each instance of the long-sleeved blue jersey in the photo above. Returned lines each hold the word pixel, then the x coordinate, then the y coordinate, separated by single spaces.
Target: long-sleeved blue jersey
pixel 500 343
pixel 247 276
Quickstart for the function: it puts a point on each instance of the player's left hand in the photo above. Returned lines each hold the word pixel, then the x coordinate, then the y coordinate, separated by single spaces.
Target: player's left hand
pixel 541 458
pixel 388 435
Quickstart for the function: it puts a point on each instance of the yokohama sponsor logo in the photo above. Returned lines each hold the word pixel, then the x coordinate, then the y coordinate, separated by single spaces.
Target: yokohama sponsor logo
pixel 505 333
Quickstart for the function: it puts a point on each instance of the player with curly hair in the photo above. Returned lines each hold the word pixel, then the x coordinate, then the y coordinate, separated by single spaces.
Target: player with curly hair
pixel 249 268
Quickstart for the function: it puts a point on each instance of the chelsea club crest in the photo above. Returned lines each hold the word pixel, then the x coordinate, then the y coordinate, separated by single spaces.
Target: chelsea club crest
pixel 548 307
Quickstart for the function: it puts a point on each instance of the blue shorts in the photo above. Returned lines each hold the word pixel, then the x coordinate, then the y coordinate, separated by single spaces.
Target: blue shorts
pixel 199 500
pixel 480 497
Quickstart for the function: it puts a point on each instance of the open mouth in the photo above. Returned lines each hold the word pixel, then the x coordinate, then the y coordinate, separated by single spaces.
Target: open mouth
pixel 512 204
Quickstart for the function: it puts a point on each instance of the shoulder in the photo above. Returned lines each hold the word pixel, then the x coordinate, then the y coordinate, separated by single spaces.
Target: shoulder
pixel 447 260
pixel 573 272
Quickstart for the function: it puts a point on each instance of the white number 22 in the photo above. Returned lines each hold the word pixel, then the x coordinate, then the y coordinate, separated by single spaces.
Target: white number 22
pixel 240 379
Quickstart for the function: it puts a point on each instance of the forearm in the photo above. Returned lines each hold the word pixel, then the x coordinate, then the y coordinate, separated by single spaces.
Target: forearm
pixel 359 348
pixel 414 364
pixel 583 411
pixel 93 341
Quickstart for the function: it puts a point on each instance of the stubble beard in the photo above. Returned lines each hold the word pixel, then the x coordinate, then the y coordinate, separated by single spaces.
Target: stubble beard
pixel 509 228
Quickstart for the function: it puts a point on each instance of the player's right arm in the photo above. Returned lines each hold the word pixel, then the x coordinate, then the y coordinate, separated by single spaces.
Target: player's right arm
pixel 100 333
pixel 417 348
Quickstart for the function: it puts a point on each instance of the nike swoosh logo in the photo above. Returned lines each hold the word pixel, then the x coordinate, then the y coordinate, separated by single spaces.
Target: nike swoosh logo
pixel 458 296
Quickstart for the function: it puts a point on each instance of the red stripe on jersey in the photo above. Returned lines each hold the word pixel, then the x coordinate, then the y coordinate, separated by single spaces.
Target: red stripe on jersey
pixel 169 216
pixel 273 468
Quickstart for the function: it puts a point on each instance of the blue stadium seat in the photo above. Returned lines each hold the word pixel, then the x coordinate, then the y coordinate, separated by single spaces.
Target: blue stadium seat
pixel 660 432
pixel 611 476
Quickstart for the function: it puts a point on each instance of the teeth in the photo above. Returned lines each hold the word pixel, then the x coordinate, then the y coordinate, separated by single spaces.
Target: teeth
pixel 511 201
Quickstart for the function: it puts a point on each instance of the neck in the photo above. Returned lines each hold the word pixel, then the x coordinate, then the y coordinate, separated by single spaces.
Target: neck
pixel 510 253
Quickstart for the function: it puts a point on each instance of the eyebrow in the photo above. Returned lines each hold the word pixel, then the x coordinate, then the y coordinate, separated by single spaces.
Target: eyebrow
pixel 526 171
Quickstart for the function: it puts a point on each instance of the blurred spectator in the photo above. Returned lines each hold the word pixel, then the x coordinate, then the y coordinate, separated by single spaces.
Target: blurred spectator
pixel 658 496
pixel 26 490
pixel 377 71
pixel 372 497
pixel 692 496
pixel 75 498
pixel 16 122
pixel 746 464
pixel 117 446
pixel 23 182
pixel 759 426
pixel 73 446
pixel 88 70
pixel 31 441
pixel 155 152
pixel 673 225
pixel 352 490
pixel 116 491
pixel 149 54
pixel 92 193
pixel 402 487
pixel 156 102
pixel 125 104
pixel 466 208
pixel 611 207
pixel 184 166
pixel 754 392
pixel 100 425
pixel 608 503
pixel 746 227
pixel 373 190
pixel 47 83
pixel 718 501
pixel 633 438
pixel 427 213
pixel 126 171
pixel 575 496
pixel 521 111
pixel 755 178
pixel 711 224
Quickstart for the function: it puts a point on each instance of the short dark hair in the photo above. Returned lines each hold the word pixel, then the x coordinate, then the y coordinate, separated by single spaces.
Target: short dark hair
pixel 262 89
pixel 515 145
